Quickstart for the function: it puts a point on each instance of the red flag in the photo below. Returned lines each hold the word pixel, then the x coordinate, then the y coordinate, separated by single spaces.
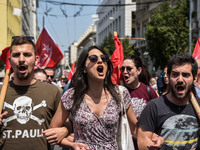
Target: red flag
pixel 117 60
pixel 196 52
pixel 48 52
pixel 71 71
pixel 5 57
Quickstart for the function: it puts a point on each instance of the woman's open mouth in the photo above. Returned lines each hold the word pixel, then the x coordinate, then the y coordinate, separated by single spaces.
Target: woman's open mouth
pixel 100 70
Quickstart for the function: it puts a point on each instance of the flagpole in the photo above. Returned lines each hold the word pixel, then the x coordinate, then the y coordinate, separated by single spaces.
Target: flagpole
pixel 190 26
pixel 4 88
pixel 69 68
pixel 195 104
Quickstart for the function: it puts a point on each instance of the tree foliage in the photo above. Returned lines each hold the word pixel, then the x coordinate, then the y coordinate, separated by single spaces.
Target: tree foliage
pixel 127 48
pixel 109 46
pixel 167 32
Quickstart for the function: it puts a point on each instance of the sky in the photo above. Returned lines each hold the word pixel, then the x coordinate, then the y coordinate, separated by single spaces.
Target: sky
pixel 65 29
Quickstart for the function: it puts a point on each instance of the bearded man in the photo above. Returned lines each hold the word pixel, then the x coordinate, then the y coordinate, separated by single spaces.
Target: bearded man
pixel 29 104
pixel 172 116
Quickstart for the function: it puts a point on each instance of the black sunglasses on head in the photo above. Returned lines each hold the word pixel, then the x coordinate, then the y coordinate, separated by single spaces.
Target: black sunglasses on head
pixel 94 58
pixel 127 68
pixel 30 38
pixel 50 76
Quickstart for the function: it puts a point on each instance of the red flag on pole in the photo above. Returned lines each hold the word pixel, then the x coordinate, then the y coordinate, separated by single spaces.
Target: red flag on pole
pixel 5 57
pixel 48 52
pixel 71 71
pixel 196 52
pixel 117 60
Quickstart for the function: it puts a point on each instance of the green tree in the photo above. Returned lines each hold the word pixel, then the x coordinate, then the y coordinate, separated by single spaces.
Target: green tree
pixel 109 46
pixel 167 32
pixel 127 48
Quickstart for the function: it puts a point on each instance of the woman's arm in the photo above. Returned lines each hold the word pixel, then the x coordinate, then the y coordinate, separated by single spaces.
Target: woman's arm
pixel 66 142
pixel 57 131
pixel 60 116
pixel 132 120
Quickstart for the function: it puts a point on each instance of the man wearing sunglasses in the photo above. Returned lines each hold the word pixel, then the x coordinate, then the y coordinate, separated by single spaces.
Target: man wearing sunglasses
pixel 29 104
pixel 50 76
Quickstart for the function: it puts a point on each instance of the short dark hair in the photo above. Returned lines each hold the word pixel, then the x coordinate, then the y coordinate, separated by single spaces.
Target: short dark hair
pixel 181 59
pixel 40 70
pixel 20 40
pixel 65 80
pixel 48 68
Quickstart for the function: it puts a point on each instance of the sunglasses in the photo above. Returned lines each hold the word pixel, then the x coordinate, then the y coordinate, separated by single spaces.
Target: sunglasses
pixel 94 58
pixel 30 38
pixel 128 69
pixel 50 76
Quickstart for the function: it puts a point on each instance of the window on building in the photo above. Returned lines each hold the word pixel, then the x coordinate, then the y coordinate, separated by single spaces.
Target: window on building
pixel 119 25
pixel 133 24
pixel 144 30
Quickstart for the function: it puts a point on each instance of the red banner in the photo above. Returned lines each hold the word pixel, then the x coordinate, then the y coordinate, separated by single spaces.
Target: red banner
pixel 48 52
pixel 71 71
pixel 196 52
pixel 5 57
pixel 117 60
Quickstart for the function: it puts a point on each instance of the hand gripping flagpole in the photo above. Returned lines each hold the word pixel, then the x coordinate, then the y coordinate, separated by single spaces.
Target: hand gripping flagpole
pixel 4 88
pixel 115 33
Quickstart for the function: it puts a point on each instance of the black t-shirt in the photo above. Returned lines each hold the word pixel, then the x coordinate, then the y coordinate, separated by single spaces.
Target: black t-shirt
pixel 178 125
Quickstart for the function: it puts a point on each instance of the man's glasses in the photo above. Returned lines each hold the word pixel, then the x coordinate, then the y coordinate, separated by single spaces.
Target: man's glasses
pixel 128 69
pixel 94 58
pixel 50 76
pixel 30 38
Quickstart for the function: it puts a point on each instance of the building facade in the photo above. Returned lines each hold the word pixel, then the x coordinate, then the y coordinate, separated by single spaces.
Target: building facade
pixel 10 22
pixel 117 16
pixel 129 18
pixel 29 25
pixel 17 18
pixel 87 39
pixel 195 20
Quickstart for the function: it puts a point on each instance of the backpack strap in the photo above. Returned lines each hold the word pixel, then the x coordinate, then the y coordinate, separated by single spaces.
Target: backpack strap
pixel 149 91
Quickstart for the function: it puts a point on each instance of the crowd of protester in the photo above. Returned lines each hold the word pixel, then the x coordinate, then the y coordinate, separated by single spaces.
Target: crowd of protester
pixel 41 111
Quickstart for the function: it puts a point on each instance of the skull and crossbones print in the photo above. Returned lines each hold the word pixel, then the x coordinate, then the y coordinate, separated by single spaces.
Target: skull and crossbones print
pixel 22 108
